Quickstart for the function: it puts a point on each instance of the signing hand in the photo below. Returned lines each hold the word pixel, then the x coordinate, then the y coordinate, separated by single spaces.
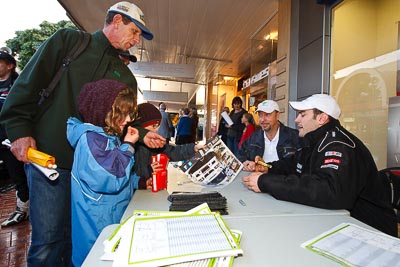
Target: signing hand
pixel 249 166
pixel 251 181
pixel 260 165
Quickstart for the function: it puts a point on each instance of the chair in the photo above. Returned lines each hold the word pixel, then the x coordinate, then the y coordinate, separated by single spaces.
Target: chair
pixel 392 178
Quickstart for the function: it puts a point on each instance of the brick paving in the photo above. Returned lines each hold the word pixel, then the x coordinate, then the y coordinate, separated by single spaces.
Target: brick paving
pixel 14 240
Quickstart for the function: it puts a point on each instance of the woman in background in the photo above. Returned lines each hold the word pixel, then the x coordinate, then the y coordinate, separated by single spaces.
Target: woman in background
pixel 235 131
pixel 184 127
pixel 195 123
pixel 248 120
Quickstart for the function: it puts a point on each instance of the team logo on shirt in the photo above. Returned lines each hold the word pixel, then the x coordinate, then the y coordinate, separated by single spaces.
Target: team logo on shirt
pixel 333 153
pixel 116 73
pixel 332 163
pixel 331 160
pixel 332 166
pixel 299 167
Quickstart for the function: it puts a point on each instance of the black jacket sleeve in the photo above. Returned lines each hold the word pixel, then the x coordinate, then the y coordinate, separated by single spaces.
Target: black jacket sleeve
pixel 327 183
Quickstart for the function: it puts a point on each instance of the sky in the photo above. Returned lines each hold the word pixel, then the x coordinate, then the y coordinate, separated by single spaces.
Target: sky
pixel 27 14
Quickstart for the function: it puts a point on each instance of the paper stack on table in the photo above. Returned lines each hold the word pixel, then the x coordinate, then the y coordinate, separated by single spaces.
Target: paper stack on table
pixel 184 201
pixel 198 237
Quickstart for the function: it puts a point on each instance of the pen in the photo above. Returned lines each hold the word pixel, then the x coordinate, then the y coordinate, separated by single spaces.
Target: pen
pixel 262 163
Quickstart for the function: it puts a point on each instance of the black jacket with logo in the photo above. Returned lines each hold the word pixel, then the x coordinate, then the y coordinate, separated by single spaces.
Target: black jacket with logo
pixel 333 170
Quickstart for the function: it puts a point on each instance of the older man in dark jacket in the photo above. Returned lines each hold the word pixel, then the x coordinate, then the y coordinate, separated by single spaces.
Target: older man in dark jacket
pixel 272 142
pixel 44 127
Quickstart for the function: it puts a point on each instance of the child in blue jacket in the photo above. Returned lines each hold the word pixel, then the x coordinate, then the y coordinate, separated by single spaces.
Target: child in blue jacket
pixel 102 178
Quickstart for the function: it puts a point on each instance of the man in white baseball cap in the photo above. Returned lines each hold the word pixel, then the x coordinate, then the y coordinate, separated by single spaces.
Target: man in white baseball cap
pixel 332 169
pixel 272 142
pixel 316 104
pixel 322 102
pixel 135 14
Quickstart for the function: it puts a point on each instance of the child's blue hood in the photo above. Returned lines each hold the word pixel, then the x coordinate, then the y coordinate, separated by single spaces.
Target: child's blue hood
pixel 76 128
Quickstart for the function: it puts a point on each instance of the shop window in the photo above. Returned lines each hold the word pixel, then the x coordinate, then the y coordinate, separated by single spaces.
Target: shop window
pixel 264 47
pixel 364 72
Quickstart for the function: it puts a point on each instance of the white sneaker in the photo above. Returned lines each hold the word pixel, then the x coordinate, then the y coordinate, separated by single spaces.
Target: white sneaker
pixel 17 217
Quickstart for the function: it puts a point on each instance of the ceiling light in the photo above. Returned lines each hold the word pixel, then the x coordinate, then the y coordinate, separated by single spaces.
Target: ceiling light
pixel 274 35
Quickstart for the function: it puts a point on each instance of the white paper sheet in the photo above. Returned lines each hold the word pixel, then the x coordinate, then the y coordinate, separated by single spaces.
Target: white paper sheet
pixel 227 118
pixel 353 245
pixel 163 240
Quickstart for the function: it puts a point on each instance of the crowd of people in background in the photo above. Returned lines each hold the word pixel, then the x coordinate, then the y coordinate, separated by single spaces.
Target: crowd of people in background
pixel 184 128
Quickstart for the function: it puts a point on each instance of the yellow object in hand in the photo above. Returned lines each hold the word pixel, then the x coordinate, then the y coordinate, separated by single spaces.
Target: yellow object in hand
pixel 41 158
pixel 262 163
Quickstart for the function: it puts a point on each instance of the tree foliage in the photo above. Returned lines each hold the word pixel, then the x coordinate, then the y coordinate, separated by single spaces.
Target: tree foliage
pixel 26 42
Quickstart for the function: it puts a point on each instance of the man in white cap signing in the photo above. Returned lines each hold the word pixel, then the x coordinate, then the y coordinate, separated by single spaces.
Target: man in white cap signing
pixel 332 170
pixel 43 126
pixel 272 142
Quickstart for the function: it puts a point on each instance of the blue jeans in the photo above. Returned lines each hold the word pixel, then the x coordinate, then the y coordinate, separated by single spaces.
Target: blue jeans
pixel 232 142
pixel 50 218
